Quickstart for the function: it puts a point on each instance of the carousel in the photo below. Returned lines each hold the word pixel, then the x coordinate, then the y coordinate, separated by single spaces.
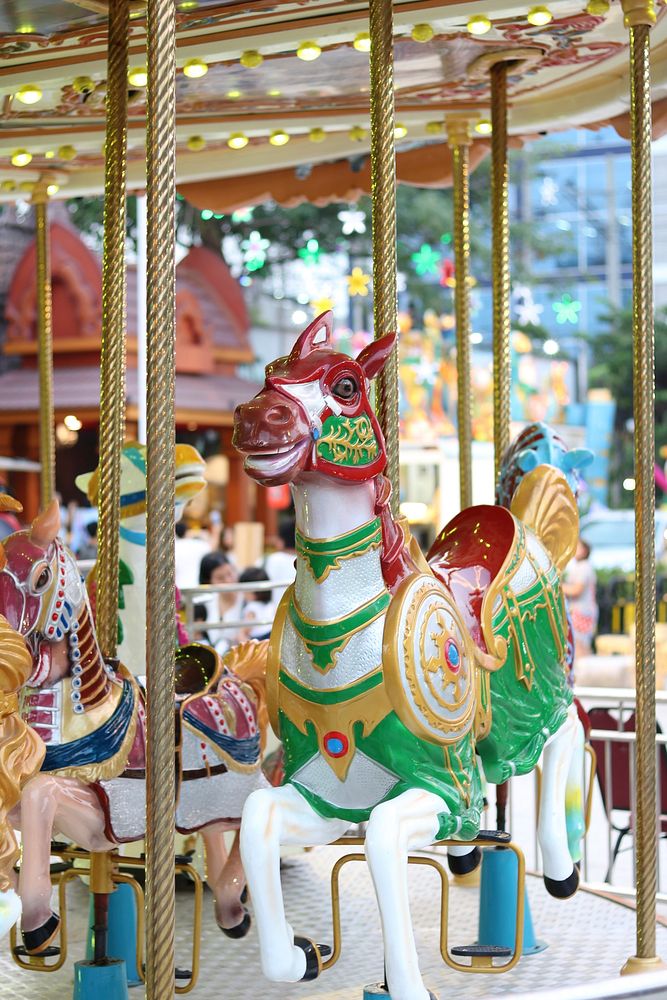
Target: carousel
pixel 407 688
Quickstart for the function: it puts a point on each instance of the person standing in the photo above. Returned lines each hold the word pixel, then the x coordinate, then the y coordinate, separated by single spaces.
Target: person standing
pixel 579 588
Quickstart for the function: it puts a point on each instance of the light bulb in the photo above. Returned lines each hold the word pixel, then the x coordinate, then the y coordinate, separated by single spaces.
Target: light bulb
pixel 357 133
pixel 278 138
pixel 233 94
pixel 66 153
pixel 422 33
pixel 196 143
pixel 309 51
pixel 484 127
pixel 29 94
pixel 479 24
pixel 194 68
pixel 362 42
pixel 138 76
pixel 21 157
pixel 400 131
pixel 435 128
pixel 539 16
pixel 317 135
pixel 251 59
pixel 237 140
pixel 83 84
pixel 52 189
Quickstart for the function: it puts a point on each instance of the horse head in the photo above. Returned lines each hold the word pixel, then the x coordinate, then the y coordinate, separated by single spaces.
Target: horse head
pixel 538 444
pixel 189 481
pixel 314 413
pixel 41 592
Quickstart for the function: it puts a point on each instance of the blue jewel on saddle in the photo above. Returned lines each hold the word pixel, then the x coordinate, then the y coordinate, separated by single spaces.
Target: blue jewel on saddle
pixel 336 744
pixel 452 655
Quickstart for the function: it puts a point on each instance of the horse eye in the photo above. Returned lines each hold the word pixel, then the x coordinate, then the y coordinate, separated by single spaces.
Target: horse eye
pixel 42 581
pixel 345 388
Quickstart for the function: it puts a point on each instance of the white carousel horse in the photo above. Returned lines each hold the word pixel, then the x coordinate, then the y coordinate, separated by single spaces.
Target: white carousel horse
pixel 388 675
pixel 90 715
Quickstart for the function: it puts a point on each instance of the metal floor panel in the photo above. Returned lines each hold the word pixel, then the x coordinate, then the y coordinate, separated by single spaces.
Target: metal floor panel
pixel 589 939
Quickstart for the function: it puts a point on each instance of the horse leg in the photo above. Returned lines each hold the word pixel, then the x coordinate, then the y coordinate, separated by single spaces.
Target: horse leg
pixel 271 817
pixel 463 859
pixel 574 796
pixel 560 876
pixel 409 822
pixel 226 879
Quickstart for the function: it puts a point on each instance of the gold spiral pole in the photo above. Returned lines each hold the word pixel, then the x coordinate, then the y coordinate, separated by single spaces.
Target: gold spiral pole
pixel 458 136
pixel 383 192
pixel 112 362
pixel 47 441
pixel 502 367
pixel 160 438
pixel 639 16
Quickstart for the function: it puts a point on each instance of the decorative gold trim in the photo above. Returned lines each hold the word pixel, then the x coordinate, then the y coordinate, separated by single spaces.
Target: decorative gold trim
pixel 273 660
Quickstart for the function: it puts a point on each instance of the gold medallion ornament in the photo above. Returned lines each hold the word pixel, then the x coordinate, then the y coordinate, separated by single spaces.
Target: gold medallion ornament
pixel 429 662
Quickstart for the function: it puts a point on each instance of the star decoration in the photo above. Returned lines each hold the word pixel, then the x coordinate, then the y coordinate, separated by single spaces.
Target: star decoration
pixel 549 192
pixel 567 310
pixel 242 215
pixel 354 221
pixel 358 282
pixel 322 305
pixel 528 311
pixel 254 251
pixel 425 372
pixel 426 260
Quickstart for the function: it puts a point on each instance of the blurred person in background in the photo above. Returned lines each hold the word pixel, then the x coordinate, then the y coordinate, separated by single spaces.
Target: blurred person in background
pixel 579 589
pixel 88 548
pixel 190 551
pixel 216 569
pixel 281 565
pixel 257 605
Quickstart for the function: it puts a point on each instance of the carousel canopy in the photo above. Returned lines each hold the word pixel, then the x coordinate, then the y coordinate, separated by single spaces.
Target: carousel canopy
pixel 271 87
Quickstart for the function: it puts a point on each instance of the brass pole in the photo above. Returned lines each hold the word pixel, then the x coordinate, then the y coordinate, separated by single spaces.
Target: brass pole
pixel 639 16
pixel 47 441
pixel 458 136
pixel 112 362
pixel 160 439
pixel 383 191
pixel 502 366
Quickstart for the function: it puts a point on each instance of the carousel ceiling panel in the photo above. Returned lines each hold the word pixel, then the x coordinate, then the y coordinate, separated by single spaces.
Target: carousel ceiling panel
pixel 573 72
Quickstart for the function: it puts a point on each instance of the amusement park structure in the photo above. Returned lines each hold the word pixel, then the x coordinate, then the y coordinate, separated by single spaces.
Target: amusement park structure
pixel 235 103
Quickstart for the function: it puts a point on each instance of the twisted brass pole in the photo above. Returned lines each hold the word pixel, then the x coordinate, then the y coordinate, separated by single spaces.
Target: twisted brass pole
pixel 458 136
pixel 47 441
pixel 160 439
pixel 383 191
pixel 112 362
pixel 639 16
pixel 502 367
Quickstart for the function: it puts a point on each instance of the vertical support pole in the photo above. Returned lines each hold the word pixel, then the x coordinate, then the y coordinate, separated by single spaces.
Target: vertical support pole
pixel 502 366
pixel 383 192
pixel 141 317
pixel 639 16
pixel 47 441
pixel 458 136
pixel 161 447
pixel 112 361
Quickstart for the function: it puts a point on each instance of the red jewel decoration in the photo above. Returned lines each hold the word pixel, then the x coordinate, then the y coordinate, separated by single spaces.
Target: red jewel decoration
pixel 54 618
pixel 336 744
pixel 61 593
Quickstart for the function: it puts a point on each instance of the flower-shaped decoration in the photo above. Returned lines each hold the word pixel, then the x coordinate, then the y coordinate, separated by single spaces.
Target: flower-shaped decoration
pixel 358 282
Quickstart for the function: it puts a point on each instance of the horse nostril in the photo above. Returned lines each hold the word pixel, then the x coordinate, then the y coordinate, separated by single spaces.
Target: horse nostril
pixel 278 415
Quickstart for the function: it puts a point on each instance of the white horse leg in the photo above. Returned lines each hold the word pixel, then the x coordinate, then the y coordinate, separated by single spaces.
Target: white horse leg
pixel 574 796
pixel 560 876
pixel 271 817
pixel 408 822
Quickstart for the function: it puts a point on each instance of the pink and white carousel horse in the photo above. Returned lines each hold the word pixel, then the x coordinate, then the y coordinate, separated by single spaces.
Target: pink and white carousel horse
pixel 389 676
pixel 90 715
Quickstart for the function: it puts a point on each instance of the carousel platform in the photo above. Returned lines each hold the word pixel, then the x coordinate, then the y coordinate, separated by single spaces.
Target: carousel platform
pixel 589 937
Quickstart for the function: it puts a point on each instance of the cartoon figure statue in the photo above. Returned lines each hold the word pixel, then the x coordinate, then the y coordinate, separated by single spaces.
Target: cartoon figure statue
pixel 132 543
pixel 388 674
pixel 90 715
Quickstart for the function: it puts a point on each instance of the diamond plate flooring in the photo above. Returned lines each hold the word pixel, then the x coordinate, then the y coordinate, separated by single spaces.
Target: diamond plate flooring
pixel 588 938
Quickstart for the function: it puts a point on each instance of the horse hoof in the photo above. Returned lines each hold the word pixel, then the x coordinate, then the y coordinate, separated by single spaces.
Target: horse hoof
pixel 565 887
pixel 314 954
pixel 463 864
pixel 240 930
pixel 35 941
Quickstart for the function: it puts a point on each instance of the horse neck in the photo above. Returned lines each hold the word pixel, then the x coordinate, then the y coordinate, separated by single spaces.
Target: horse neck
pixel 327 509
pixel 89 666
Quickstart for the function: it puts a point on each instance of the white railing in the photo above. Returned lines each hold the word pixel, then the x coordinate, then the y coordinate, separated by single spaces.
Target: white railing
pixel 195 595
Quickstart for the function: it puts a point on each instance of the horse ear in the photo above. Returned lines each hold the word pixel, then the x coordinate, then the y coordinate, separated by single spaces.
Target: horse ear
pixel 9 503
pixel 374 357
pixel 46 526
pixel 577 458
pixel 316 336
pixel 87 482
pixel 527 460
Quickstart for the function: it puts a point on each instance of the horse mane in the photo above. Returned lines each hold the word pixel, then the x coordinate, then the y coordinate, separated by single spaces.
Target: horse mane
pixel 247 662
pixel 400 556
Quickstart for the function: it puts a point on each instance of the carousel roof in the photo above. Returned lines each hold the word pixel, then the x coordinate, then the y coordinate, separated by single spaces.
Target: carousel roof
pixel 291 67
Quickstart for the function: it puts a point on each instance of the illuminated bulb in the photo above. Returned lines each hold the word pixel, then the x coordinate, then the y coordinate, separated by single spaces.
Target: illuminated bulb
pixel 233 94
pixel 49 154
pixel 52 189
pixel 194 68
pixel 83 85
pixel 422 33
pixel 72 423
pixel 629 484
pixel 25 29
pixel 237 140
pixel 435 128
pixel 188 4
pixel 539 16
pixel 251 59
pixel 309 51
pixel 357 133
pixel 317 135
pixel 138 76
pixel 362 42
pixel 21 157
pixel 550 346
pixel 278 138
pixel 274 93
pixel 195 143
pixel 8 186
pixel 29 94
pixel 479 24
pixel 66 153
pixel 597 7
pixel 400 131
pixel 484 127
pixel 476 338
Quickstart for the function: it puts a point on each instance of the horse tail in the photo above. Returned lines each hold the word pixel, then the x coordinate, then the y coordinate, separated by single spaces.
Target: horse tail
pixel 21 749
pixel 247 662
